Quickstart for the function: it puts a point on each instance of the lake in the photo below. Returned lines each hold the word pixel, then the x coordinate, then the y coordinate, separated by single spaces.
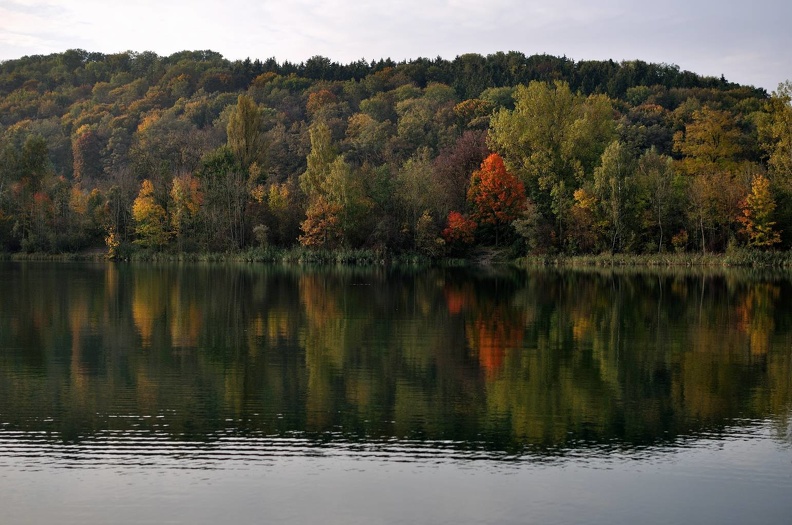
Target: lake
pixel 243 393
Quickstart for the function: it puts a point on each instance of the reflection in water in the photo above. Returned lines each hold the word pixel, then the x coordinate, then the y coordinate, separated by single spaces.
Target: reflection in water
pixel 497 364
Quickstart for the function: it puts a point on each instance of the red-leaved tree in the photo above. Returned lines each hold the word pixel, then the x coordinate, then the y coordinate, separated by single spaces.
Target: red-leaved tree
pixel 460 232
pixel 496 196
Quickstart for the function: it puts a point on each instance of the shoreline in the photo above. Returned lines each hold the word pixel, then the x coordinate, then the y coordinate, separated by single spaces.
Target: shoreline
pixel 361 257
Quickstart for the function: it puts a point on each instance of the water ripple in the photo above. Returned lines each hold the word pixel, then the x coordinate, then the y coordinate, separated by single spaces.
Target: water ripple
pixel 144 448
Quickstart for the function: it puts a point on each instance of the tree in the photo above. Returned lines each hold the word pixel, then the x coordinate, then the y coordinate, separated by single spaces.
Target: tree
pixel 553 140
pixel 367 138
pixel 245 135
pixel 150 219
pixel 322 225
pixel 319 160
pixel 286 211
pixel 225 197
pixel 344 189
pixel 656 180
pixel 452 167
pixel 585 231
pixel 614 189
pixel 23 174
pixel 713 205
pixel 496 196
pixel 711 148
pixel 460 231
pixel 757 211
pixel 775 135
pixel 86 151
pixel 710 142
pixel 185 202
pixel 417 192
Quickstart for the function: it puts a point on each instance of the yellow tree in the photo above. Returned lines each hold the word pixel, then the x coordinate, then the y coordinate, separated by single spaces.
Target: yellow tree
pixel 709 143
pixel 150 218
pixel 185 202
pixel 711 148
pixel 757 210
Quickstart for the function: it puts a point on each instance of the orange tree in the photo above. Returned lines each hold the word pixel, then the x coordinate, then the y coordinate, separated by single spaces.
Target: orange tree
pixel 496 196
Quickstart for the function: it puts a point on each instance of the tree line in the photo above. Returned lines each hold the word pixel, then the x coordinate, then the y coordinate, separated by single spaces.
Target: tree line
pixel 535 154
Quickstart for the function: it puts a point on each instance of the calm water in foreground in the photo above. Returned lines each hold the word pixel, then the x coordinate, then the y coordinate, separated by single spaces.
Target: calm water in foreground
pixel 209 394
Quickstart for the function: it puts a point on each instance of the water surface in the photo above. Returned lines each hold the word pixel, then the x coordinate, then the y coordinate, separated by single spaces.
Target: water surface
pixel 248 394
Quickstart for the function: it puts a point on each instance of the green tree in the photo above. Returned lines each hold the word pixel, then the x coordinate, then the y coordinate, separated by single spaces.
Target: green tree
pixel 775 136
pixel 614 187
pixel 776 133
pixel 344 189
pixel 225 197
pixel 552 139
pixel 417 191
pixel 319 160
pixel 656 179
pixel 245 133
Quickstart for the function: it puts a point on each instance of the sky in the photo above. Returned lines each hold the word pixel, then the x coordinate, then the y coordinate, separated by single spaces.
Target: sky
pixel 747 42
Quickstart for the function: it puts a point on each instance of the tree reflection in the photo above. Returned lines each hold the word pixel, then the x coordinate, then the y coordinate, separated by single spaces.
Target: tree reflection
pixel 540 361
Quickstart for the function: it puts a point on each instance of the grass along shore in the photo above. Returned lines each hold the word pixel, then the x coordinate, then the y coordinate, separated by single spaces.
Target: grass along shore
pixel 732 258
pixel 367 257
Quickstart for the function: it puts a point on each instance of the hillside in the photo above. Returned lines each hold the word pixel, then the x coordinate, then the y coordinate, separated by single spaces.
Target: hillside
pixel 194 152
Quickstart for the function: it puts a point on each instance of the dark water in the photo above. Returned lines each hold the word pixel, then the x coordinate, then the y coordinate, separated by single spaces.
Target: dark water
pixel 256 394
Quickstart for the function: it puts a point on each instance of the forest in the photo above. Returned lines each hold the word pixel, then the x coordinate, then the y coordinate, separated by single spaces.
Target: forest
pixel 192 153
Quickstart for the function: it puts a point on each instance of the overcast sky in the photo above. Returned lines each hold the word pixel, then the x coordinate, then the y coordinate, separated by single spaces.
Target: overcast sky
pixel 749 42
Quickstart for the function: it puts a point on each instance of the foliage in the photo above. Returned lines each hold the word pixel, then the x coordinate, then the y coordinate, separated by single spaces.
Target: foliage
pixel 756 215
pixel 321 227
pixel 614 187
pixel 553 139
pixel 709 142
pixel 245 134
pixel 460 231
pixel 185 203
pixel 776 134
pixel 496 196
pixel 150 219
pixel 389 148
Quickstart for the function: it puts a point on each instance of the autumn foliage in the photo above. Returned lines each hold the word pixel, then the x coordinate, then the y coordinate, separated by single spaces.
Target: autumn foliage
pixel 757 210
pixel 496 196
pixel 460 229
pixel 399 153
pixel 150 218
pixel 321 227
